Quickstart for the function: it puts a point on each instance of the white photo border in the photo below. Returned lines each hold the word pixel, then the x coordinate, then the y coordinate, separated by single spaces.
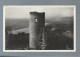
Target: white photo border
pixel 4 6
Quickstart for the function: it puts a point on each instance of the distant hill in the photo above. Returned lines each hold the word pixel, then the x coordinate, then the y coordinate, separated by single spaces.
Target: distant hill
pixel 60 20
pixel 17 23
pixel 23 24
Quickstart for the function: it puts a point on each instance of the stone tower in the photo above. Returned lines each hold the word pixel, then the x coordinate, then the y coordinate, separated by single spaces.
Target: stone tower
pixel 37 23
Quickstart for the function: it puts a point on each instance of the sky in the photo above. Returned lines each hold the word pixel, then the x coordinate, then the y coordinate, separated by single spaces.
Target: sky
pixel 20 12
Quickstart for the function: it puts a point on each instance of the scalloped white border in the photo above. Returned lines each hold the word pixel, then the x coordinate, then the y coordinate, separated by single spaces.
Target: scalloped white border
pixel 39 50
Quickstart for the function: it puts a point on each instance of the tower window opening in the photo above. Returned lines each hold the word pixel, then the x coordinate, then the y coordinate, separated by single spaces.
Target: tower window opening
pixel 36 20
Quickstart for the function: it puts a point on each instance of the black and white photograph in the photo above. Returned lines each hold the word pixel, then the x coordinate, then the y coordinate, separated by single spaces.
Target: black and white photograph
pixel 35 28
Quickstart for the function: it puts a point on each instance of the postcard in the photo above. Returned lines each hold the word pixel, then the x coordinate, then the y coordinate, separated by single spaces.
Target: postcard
pixel 39 28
